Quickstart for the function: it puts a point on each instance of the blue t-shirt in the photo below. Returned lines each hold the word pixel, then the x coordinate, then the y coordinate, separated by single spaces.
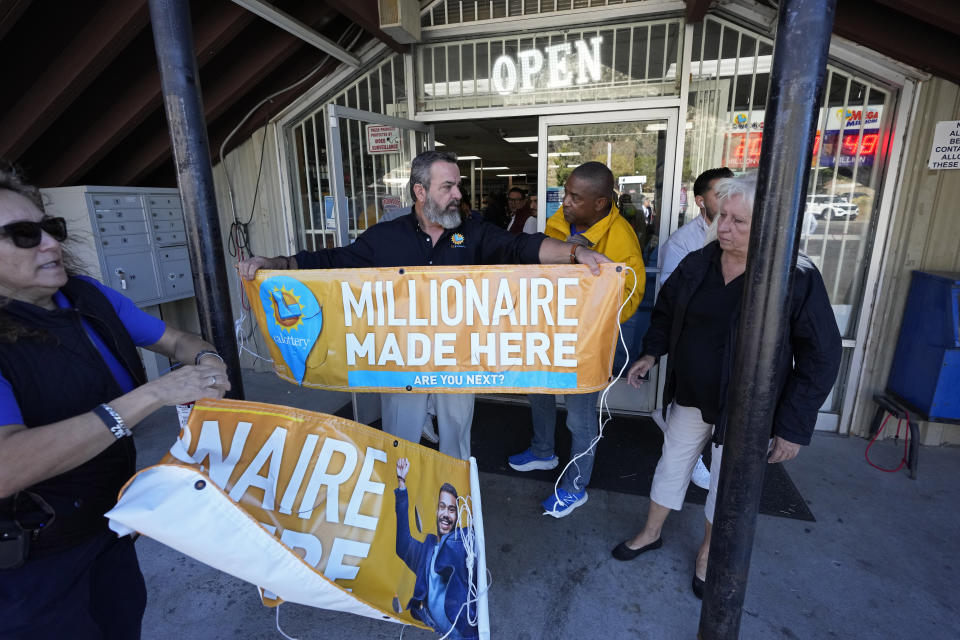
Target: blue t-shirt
pixel 143 328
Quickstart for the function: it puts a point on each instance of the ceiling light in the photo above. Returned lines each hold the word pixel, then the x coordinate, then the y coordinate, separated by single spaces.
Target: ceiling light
pixel 437 143
pixel 510 175
pixel 468 158
pixel 557 138
pixel 491 168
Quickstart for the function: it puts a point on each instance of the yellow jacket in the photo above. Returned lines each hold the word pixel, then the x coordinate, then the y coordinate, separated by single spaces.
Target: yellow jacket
pixel 612 236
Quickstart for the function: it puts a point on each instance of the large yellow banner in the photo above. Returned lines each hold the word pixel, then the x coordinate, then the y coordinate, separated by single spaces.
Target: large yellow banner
pixel 499 329
pixel 372 518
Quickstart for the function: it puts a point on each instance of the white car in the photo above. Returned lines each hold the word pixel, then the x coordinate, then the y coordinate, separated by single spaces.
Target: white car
pixel 831 207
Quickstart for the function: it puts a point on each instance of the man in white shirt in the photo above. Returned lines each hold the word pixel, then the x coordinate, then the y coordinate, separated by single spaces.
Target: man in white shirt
pixel 691 236
pixel 687 238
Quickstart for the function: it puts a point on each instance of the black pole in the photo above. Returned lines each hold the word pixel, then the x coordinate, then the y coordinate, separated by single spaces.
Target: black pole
pixel 796 84
pixel 173 39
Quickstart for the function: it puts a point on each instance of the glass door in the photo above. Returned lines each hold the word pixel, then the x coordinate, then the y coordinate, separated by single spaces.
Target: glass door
pixel 639 147
pixel 369 157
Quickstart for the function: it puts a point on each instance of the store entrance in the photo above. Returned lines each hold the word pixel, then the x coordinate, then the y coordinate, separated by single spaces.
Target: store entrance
pixel 537 154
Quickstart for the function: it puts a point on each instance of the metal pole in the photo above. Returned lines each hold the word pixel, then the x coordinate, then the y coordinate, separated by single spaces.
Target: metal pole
pixel 799 67
pixel 173 39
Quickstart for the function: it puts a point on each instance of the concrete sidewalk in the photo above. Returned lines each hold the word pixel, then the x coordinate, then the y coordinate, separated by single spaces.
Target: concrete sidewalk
pixel 878 563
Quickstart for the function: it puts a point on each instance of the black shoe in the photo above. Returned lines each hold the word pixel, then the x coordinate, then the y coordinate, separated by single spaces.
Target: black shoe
pixel 623 552
pixel 698 586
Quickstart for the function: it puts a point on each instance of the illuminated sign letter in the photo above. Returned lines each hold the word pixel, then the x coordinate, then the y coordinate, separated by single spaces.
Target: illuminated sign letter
pixel 531 62
pixel 589 62
pixel 504 75
pixel 557 61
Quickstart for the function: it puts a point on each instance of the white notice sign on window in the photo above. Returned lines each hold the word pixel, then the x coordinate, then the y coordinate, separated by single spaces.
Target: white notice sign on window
pixel 945 153
pixel 382 138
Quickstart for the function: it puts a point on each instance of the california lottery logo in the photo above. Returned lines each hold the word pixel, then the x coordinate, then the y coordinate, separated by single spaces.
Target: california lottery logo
pixel 294 320
pixel 740 119
pixel 456 239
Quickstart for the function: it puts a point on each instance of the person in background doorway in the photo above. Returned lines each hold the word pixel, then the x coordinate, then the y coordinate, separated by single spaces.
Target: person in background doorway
pixel 695 321
pixel 587 216
pixel 519 210
pixel 530 226
pixel 425 237
pixel 72 390
pixel 496 212
pixel 692 235
pixel 465 209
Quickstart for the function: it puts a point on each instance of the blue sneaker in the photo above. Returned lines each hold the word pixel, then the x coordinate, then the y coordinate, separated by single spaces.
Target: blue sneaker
pixel 566 503
pixel 526 461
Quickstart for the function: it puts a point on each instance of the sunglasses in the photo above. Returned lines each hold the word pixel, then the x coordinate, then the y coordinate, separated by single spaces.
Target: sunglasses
pixel 26 234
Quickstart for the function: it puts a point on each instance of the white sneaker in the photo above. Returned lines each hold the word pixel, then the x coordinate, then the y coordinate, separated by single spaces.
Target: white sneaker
pixel 428 431
pixel 701 475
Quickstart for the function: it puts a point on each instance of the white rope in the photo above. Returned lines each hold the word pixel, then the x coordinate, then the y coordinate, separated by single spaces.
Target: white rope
pixel 278 624
pixel 468 538
pixel 239 322
pixel 604 407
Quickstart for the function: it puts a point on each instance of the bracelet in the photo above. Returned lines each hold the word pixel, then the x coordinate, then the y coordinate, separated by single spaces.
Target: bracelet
pixel 112 420
pixel 573 253
pixel 208 352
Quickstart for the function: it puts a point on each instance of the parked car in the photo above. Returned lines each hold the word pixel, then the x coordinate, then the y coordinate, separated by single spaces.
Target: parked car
pixel 832 207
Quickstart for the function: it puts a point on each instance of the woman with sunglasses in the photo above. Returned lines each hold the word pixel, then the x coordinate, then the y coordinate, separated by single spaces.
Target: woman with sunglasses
pixel 71 389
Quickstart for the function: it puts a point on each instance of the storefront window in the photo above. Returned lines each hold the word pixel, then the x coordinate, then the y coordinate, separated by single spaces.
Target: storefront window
pixel 569 66
pixel 730 76
pixel 380 90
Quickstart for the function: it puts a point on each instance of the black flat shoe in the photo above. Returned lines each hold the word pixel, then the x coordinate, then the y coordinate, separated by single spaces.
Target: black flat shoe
pixel 698 586
pixel 624 553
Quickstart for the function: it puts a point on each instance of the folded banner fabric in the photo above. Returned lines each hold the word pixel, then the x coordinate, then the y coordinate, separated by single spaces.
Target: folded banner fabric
pixel 317 510
pixel 496 329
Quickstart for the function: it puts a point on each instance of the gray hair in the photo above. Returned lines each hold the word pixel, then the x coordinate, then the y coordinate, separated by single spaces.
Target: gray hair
pixel 744 186
pixel 420 168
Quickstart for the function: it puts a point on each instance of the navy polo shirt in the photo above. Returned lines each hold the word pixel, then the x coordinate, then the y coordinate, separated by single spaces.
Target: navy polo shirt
pixel 401 243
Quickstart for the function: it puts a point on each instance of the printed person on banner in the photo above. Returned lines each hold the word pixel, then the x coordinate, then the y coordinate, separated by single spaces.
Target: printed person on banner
pixel 72 391
pixel 692 237
pixel 433 233
pixel 442 590
pixel 588 217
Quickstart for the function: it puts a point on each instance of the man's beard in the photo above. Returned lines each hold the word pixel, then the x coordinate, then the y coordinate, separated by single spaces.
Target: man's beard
pixel 448 218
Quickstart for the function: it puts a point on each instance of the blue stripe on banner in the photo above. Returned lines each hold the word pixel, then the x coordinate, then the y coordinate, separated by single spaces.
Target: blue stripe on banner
pixel 475 380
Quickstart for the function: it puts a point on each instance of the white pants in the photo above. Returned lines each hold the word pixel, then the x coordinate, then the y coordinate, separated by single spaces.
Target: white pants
pixel 683 440
pixel 403 415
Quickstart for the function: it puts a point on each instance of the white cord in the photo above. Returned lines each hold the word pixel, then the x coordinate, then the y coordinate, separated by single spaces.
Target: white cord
pixel 278 624
pixel 468 537
pixel 239 322
pixel 604 407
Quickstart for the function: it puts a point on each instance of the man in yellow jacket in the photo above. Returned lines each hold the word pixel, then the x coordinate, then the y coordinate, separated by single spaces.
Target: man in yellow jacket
pixel 589 217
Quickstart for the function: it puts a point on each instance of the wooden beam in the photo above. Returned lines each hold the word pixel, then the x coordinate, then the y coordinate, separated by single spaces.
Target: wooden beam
pixel 943 14
pixel 10 12
pixel 899 36
pixel 365 13
pixel 213 32
pixel 300 29
pixel 219 93
pixel 697 9
pixel 96 45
